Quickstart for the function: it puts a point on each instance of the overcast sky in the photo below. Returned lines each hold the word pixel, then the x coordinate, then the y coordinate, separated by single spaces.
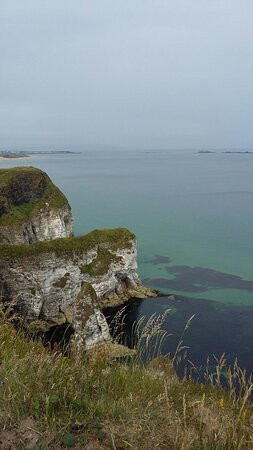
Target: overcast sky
pixel 126 73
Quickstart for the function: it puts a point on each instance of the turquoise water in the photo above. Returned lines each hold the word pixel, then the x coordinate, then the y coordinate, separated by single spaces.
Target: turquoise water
pixel 192 215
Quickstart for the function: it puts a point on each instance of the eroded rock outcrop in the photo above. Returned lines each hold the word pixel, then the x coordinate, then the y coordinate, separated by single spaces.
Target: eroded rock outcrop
pixel 32 208
pixel 52 282
pixel 68 280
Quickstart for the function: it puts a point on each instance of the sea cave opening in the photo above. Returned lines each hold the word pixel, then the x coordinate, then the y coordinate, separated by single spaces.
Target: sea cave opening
pixel 58 337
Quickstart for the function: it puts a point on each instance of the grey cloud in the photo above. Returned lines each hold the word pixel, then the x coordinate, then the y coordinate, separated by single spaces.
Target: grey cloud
pixel 164 73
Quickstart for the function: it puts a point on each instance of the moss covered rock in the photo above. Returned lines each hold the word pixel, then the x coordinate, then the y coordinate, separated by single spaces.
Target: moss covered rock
pixel 32 208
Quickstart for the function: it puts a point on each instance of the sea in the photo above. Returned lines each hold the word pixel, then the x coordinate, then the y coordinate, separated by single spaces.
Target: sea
pixel 192 214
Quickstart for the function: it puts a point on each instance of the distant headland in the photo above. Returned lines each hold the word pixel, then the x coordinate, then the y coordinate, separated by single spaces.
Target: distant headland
pixel 13 155
pixel 241 152
pixel 4 154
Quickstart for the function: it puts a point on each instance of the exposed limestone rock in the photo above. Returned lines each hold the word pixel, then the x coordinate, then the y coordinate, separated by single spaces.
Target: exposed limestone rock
pixel 46 224
pixel 31 207
pixel 67 280
pixel 123 294
pixel 60 283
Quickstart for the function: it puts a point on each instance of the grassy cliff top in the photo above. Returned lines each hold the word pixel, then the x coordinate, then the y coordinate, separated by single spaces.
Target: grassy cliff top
pixel 23 192
pixel 115 238
pixel 95 402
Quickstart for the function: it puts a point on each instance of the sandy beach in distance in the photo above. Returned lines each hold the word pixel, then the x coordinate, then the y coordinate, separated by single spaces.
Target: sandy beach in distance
pixel 17 159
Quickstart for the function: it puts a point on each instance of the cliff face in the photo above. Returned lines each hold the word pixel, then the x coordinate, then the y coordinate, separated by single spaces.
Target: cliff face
pixel 46 224
pixel 31 207
pixel 54 281
pixel 68 280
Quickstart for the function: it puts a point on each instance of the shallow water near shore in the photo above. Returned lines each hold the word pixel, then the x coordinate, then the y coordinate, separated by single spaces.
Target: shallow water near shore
pixel 193 218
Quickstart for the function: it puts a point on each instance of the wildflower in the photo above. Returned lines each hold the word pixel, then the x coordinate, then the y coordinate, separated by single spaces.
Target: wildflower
pixel 55 346
pixel 221 402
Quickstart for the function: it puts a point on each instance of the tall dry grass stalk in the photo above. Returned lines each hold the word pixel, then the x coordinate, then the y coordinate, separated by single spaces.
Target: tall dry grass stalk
pixel 146 336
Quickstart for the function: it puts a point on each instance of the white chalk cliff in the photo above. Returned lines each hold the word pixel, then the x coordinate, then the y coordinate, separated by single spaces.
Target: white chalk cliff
pixel 65 280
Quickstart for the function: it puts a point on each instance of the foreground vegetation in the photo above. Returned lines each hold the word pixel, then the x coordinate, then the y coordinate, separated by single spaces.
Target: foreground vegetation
pixel 50 401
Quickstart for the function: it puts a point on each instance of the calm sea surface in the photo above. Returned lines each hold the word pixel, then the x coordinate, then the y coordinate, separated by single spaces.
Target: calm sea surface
pixel 193 217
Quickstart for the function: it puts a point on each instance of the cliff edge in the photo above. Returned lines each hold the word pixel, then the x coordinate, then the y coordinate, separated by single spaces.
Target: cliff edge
pixel 32 208
pixel 68 280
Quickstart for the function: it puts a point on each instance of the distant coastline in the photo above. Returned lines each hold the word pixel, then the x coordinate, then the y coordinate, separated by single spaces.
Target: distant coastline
pixel 13 155
pixel 5 155
pixel 240 152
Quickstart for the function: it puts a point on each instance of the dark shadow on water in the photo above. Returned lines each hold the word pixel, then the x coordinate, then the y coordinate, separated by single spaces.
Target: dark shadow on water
pixel 215 329
pixel 158 260
pixel 200 279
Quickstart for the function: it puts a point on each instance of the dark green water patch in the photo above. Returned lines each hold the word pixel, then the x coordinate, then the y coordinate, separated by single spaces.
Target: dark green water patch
pixel 157 260
pixel 200 279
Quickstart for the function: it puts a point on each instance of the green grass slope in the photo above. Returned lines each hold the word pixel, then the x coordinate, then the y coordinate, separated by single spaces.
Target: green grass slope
pixel 52 402
pixel 116 238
